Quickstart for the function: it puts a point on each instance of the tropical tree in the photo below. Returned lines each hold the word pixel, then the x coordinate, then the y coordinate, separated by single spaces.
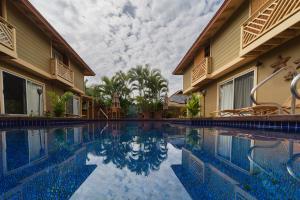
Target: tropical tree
pixel 138 78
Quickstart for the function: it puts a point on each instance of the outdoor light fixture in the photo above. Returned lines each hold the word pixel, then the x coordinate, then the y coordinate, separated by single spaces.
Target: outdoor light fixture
pixel 39 91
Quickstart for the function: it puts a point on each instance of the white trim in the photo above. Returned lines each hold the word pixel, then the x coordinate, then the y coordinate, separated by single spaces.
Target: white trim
pixel 26 78
pixel 252 69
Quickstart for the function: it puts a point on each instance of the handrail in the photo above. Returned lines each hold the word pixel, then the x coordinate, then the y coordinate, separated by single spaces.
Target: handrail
pixel 294 92
pixel 100 109
pixel 253 91
pixel 289 167
pixel 294 86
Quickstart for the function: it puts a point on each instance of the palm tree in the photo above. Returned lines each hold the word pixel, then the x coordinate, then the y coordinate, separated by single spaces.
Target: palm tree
pixel 138 78
pixel 156 85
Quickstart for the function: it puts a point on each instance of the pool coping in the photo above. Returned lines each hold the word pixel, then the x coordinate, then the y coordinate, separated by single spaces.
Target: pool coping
pixel 283 123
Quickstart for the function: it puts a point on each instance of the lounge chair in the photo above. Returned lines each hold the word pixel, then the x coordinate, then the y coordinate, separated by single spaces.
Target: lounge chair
pixel 259 110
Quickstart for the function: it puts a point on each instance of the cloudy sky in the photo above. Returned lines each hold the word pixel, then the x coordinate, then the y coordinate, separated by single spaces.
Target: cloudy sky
pixel 113 35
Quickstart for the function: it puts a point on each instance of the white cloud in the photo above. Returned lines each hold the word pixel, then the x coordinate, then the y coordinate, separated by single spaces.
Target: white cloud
pixel 117 35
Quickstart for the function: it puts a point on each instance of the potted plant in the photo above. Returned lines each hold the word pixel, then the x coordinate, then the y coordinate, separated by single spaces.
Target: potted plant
pixel 59 102
pixel 193 105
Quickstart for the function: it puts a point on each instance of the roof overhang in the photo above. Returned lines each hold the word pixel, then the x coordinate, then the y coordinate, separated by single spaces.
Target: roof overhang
pixel 34 15
pixel 214 25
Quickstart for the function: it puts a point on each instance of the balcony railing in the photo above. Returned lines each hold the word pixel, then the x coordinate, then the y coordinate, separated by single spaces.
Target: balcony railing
pixel 7 35
pixel 62 71
pixel 270 15
pixel 201 70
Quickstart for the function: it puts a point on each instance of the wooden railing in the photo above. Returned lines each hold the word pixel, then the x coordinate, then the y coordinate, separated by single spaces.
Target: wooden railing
pixel 61 70
pixel 7 34
pixel 271 14
pixel 201 69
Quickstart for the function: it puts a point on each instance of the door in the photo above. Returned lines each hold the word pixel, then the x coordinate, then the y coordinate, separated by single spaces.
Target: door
pixel 14 91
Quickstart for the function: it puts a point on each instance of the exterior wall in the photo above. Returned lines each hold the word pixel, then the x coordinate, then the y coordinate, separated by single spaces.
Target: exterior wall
pixel 187 78
pixel 33 45
pixel 266 93
pixel 256 4
pixel 78 76
pixel 225 46
pixel 199 57
pixel 49 85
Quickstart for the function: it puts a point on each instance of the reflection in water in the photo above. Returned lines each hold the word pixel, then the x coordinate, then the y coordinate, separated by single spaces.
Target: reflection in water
pixel 130 147
pixel 138 160
pixel 52 163
pixel 240 165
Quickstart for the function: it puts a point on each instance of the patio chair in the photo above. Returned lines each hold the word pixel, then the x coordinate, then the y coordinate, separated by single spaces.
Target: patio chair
pixel 231 112
pixel 259 110
pixel 273 110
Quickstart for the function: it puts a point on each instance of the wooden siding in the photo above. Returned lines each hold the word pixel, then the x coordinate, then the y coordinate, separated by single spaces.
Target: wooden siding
pixel 256 4
pixel 78 76
pixel 225 46
pixel 33 45
pixel 187 78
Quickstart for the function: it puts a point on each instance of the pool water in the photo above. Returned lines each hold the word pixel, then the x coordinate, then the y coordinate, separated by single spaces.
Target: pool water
pixel 145 160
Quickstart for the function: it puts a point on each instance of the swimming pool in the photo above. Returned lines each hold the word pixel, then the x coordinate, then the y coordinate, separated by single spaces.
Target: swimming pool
pixel 148 160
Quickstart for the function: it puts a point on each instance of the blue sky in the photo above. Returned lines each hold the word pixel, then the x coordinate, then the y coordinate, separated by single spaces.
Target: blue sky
pixel 113 35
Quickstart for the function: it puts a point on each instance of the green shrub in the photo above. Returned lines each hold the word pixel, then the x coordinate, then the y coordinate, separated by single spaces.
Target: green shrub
pixel 59 103
pixel 193 105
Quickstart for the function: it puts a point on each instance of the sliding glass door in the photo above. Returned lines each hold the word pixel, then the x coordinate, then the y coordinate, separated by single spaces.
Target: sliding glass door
pixel 34 99
pixel 22 96
pixel 242 90
pixel 73 106
pixel 235 93
pixel 226 96
pixel 14 90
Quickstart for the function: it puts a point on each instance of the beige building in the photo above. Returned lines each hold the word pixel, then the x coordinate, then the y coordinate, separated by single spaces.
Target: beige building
pixel 34 57
pixel 241 46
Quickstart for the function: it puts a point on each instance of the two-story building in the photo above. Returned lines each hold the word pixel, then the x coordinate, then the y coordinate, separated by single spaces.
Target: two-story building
pixel 243 44
pixel 35 59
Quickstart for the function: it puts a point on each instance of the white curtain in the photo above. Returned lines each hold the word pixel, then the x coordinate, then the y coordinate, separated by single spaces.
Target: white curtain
pixel 37 144
pixel 33 99
pixel 242 89
pixel 76 106
pixel 77 135
pixel 226 96
pixel 224 146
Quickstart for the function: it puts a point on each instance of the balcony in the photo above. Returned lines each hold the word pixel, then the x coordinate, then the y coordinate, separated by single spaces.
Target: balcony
pixel 201 71
pixel 62 72
pixel 274 23
pixel 7 39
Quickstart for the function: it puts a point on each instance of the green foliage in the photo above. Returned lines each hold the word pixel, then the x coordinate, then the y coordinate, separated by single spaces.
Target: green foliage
pixel 140 86
pixel 193 105
pixel 59 102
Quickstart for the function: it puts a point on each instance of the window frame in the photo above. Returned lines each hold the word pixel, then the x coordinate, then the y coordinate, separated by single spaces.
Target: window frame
pixel 2 106
pixel 232 78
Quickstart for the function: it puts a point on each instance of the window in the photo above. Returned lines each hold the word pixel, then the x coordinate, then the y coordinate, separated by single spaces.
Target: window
pixel 61 57
pixel 73 106
pixel 235 93
pixel 207 51
pixel 22 96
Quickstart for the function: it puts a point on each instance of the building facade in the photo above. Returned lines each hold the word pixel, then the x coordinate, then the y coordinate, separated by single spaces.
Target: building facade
pixel 35 60
pixel 243 44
